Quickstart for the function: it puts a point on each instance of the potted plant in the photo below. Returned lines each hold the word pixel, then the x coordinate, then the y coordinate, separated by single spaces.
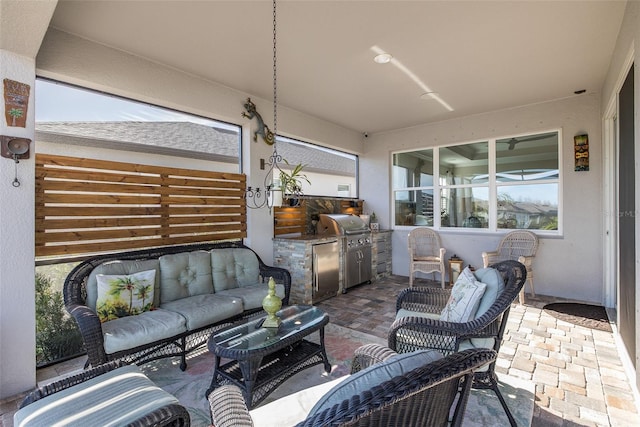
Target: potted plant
pixel 291 182
pixel 373 222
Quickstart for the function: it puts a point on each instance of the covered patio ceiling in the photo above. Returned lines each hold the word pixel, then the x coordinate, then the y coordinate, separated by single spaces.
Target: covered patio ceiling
pixel 475 56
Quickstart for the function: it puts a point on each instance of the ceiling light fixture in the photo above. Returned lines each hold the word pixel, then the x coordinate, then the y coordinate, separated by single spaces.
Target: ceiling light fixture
pixel 380 53
pixel 429 95
pixel 383 58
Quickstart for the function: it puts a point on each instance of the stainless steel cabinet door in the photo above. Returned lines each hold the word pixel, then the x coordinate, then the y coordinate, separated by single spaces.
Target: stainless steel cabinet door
pixel 326 270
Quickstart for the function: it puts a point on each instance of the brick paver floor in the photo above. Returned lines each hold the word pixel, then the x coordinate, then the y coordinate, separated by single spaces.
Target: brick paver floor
pixel 578 374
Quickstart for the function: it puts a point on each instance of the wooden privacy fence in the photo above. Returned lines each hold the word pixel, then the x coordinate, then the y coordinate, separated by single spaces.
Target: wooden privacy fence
pixel 88 206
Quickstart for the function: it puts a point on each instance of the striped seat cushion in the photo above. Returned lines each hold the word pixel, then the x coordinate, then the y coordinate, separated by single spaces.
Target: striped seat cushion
pixel 115 398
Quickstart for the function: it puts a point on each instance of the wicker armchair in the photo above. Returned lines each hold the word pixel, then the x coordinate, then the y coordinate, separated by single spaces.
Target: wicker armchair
pixel 520 245
pixel 426 253
pixel 421 328
pixel 425 396
pixel 102 402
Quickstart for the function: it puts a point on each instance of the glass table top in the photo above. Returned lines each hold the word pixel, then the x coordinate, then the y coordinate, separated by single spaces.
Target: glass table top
pixel 252 336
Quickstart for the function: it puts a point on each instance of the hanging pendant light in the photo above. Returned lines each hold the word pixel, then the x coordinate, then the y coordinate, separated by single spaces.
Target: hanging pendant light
pixel 271 194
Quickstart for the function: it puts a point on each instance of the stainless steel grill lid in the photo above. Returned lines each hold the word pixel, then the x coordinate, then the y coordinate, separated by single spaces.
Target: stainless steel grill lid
pixel 340 224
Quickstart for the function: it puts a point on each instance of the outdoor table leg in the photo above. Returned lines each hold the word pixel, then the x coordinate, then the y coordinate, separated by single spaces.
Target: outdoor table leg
pixel 214 380
pixel 250 369
pixel 325 359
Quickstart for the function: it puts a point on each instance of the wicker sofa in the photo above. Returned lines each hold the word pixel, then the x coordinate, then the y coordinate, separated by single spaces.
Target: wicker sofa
pixel 385 388
pixel 196 288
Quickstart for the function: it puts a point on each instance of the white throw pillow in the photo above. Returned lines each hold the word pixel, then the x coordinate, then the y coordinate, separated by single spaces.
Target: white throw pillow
pixel 124 295
pixel 464 300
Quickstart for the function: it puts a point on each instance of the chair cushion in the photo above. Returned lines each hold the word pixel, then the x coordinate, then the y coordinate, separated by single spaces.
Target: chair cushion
pixel 132 331
pixel 124 295
pixel 292 409
pixel 252 296
pixel 203 310
pixel 184 275
pixel 120 268
pixel 116 398
pixel 361 381
pixel 234 268
pixel 495 285
pixel 465 298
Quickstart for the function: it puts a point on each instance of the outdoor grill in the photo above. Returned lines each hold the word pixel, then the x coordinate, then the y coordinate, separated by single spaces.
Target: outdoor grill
pixel 356 246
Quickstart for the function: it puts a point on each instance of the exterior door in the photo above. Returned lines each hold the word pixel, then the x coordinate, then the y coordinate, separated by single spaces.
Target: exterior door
pixel 627 217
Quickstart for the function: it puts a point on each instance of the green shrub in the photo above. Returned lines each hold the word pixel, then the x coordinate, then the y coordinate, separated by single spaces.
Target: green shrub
pixel 57 335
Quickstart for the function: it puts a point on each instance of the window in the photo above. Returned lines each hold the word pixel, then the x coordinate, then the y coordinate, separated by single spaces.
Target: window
pixel 332 173
pixel 508 183
pixel 81 117
pixel 413 187
pixel 464 203
pixel 527 180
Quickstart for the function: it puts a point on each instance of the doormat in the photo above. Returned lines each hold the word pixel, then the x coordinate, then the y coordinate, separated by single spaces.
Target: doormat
pixel 587 315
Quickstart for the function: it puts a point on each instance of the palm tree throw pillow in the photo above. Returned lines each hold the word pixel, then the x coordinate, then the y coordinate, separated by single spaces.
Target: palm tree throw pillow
pixel 124 295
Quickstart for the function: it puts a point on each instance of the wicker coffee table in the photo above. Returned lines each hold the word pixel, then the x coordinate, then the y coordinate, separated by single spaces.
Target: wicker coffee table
pixel 263 358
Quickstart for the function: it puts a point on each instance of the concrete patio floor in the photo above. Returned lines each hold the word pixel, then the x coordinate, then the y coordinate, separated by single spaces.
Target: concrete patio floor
pixel 578 373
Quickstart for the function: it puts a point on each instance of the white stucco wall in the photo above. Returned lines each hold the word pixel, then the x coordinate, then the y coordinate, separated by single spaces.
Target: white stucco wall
pixel 566 266
pixel 17 239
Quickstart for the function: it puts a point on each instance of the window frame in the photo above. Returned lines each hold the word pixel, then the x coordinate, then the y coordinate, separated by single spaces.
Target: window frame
pixel 492 184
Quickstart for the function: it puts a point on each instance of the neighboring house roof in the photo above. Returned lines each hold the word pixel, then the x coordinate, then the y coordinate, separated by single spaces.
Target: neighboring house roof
pixel 186 139
pixel 530 208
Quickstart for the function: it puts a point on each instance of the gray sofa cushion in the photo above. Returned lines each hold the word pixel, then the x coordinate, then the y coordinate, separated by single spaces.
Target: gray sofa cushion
pixel 203 310
pixel 132 331
pixel 400 364
pixel 234 268
pixel 116 398
pixel 122 268
pixel 252 296
pixel 185 274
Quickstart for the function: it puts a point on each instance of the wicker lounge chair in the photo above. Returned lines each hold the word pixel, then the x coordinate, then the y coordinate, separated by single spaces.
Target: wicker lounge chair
pixel 418 326
pixel 424 396
pixel 109 394
pixel 520 245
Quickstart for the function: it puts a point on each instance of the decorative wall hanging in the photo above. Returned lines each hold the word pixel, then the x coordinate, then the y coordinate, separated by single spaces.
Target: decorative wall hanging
pixel 263 129
pixel 581 150
pixel 16 102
